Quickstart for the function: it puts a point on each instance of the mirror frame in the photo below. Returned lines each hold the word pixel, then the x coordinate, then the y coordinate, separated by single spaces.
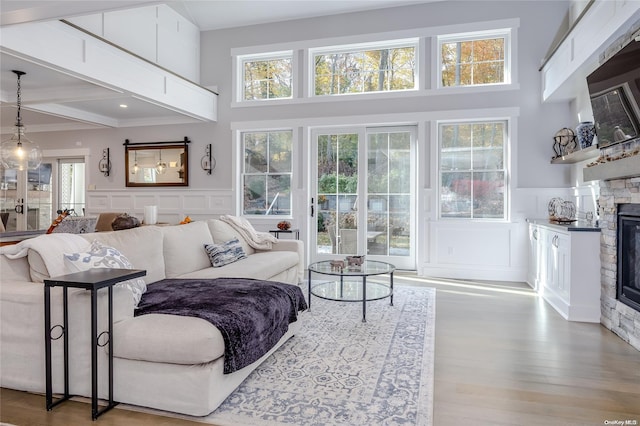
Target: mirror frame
pixel 156 147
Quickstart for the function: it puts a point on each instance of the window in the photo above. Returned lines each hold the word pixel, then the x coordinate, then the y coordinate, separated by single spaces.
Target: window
pixel 473 175
pixel 267 173
pixel 267 77
pixel 474 59
pixel 71 194
pixel 384 67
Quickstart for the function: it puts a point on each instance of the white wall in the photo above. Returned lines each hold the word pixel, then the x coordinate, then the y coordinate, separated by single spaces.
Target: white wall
pixel 156 33
pixel 443 251
pixel 446 248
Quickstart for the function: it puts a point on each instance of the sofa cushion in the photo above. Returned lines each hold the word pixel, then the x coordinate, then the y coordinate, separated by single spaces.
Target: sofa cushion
pixel 260 265
pixel 221 232
pixel 101 256
pixel 142 246
pixel 225 253
pixel 167 338
pixel 183 252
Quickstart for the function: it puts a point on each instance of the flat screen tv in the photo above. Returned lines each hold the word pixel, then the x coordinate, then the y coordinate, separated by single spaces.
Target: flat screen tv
pixel 39 176
pixel 614 89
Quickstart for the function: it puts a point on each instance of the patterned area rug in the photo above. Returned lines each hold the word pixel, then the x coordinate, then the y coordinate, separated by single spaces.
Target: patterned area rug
pixel 341 371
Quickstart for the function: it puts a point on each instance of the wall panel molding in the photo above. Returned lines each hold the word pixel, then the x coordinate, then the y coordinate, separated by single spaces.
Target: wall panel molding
pixel 173 205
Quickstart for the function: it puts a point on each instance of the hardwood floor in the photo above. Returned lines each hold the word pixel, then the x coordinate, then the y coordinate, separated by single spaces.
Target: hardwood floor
pixel 503 357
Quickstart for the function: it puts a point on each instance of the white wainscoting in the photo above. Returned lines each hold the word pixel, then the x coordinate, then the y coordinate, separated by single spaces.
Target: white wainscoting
pixel 476 250
pixel 173 204
pixel 488 250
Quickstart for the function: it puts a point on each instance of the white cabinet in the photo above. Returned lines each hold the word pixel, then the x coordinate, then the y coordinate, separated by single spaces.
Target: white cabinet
pixel 564 268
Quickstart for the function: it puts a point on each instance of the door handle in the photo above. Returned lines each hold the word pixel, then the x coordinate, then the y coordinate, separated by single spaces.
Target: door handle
pixel 312 207
pixel 19 206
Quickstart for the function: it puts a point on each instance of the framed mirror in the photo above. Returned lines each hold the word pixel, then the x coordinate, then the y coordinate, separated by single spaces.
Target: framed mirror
pixel 157 164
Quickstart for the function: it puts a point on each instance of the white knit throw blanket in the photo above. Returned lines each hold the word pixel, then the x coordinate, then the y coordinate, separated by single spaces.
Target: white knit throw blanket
pixel 51 248
pixel 257 240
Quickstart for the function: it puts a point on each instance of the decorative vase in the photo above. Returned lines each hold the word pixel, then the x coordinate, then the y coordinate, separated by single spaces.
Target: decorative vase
pixel 585 132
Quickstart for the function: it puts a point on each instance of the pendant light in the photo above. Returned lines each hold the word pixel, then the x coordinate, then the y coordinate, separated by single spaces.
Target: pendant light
pixel 134 169
pixel 161 166
pixel 19 152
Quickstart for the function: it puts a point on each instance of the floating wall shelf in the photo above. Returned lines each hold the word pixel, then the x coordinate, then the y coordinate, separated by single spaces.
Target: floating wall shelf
pixel 578 156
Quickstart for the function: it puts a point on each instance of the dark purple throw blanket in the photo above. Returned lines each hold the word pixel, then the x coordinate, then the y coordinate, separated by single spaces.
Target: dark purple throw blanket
pixel 252 315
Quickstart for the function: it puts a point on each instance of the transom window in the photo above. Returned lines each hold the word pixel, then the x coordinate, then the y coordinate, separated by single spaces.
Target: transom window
pixel 267 77
pixel 267 171
pixel 383 67
pixel 473 174
pixel 474 59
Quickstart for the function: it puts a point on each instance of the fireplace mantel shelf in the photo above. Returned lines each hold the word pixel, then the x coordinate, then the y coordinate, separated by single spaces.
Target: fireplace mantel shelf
pixel 620 169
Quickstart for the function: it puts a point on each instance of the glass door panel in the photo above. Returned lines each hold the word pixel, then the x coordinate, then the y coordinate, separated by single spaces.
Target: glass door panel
pixel 337 193
pixel 39 195
pixel 389 195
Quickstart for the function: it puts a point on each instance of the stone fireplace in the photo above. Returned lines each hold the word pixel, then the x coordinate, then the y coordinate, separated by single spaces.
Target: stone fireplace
pixel 617 315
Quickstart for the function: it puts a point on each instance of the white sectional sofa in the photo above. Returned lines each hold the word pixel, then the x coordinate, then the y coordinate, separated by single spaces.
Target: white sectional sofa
pixel 168 362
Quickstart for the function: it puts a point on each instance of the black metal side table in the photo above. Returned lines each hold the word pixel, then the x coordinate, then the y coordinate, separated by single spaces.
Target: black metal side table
pixel 93 280
pixel 277 232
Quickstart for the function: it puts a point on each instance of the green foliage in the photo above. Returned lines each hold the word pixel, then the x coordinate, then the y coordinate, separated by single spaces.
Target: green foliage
pixel 332 184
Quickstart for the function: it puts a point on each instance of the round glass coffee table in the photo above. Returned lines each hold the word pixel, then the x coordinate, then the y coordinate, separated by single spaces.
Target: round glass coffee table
pixel 347 289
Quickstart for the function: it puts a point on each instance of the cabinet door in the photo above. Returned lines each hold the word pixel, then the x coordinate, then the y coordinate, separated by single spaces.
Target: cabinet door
pixel 535 256
pixel 560 265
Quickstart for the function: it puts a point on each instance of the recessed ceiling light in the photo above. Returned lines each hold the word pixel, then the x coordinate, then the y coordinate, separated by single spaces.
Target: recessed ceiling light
pixel 123 106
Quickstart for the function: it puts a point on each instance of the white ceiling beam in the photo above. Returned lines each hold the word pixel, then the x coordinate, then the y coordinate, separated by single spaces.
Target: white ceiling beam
pixel 74 114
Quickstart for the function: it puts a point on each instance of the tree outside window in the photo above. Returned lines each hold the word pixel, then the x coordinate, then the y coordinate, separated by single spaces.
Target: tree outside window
pixel 267 171
pixel 473 170
pixel 363 71
pixel 473 61
pixel 267 78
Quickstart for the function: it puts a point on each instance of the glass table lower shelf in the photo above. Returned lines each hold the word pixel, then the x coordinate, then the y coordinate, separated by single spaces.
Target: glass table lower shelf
pixel 350 291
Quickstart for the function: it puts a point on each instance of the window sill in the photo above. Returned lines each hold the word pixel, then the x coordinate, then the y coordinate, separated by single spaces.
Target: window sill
pixel 378 95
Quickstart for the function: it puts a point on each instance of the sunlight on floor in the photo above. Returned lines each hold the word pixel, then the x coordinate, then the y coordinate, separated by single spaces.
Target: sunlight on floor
pixel 466 284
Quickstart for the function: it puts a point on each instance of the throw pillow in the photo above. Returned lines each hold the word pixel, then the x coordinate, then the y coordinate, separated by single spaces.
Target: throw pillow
pixel 225 253
pixel 101 256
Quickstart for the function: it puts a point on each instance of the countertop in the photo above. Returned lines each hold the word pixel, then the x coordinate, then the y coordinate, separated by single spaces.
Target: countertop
pixel 579 226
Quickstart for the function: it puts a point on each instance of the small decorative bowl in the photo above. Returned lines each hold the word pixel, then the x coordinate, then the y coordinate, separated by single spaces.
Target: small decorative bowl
pixel 355 260
pixel 284 225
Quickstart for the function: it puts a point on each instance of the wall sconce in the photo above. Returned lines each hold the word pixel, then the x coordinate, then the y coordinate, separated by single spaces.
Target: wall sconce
pixel 105 162
pixel 208 162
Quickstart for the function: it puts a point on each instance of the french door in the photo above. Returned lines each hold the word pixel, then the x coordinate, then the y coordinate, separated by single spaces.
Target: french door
pixel 32 198
pixel 363 191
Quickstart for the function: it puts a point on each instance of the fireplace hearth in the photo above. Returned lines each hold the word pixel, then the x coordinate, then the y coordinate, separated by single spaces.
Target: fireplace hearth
pixel 628 254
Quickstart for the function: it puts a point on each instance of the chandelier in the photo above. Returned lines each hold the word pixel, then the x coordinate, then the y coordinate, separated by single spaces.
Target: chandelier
pixel 19 152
